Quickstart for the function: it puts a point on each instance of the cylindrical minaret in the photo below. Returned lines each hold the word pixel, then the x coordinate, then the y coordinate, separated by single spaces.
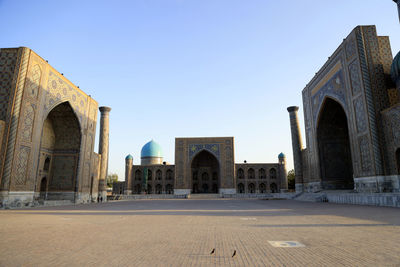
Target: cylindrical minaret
pixel 282 171
pixel 297 147
pixel 103 150
pixel 128 174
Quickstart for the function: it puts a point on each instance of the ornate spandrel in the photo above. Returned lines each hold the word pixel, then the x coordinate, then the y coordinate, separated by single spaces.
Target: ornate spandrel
pixel 334 88
pixel 195 148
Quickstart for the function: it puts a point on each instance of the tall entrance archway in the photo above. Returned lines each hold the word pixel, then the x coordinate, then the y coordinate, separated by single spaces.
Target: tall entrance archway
pixel 205 173
pixel 334 147
pixel 59 152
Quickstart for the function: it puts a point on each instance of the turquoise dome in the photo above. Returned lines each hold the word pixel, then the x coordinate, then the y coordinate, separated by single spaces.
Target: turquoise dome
pixel 129 157
pixel 151 149
pixel 281 155
pixel 395 70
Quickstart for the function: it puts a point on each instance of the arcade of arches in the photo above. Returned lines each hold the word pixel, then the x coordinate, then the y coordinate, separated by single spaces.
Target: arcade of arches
pixel 257 178
pixel 160 179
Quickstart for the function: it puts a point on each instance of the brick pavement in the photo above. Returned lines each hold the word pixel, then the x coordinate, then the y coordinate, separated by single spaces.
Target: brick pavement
pixel 183 232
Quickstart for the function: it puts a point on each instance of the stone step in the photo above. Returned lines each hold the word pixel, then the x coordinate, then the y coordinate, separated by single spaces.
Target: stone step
pixel 56 202
pixel 204 196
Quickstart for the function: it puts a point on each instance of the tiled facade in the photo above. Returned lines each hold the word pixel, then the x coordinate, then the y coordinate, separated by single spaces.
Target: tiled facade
pixel 47 131
pixel 355 148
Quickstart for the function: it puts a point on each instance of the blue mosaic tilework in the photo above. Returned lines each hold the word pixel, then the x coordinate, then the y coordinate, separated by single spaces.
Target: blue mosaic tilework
pixel 213 148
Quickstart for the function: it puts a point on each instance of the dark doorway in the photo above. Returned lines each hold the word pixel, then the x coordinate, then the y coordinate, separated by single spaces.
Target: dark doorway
pixel 205 170
pixel 240 188
pixel 334 147
pixel 43 188
pixel 274 188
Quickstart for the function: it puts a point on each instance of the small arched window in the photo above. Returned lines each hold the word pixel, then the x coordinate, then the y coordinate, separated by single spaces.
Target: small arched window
pixel 251 173
pixel 272 173
pixel 240 188
pixel 46 165
pixel 159 175
pixel 274 188
pixel 149 175
pixel 158 189
pixel 261 174
pixel 169 174
pixel 169 188
pixel 240 173
pixel 262 188
pixel 252 188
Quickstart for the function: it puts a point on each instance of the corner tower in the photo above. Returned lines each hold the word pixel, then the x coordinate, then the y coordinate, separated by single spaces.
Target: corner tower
pixel 128 174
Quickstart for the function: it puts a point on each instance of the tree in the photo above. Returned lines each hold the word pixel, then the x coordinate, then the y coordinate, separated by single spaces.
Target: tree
pixel 111 178
pixel 291 181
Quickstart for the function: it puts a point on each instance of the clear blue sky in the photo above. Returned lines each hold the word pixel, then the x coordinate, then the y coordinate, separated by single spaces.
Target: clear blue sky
pixel 187 68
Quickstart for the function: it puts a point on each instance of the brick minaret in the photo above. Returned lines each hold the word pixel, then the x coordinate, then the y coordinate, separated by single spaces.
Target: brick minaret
pixel 103 151
pixel 128 175
pixel 282 171
pixel 297 147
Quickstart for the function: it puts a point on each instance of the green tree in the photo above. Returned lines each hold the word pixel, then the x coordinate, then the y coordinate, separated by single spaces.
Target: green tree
pixel 291 181
pixel 111 178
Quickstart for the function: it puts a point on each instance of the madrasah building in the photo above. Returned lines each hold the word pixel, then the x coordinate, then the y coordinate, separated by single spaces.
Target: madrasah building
pixel 202 165
pixel 47 135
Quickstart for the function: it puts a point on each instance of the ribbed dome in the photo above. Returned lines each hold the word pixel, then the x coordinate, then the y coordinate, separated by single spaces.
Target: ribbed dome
pixel 281 155
pixel 129 157
pixel 395 70
pixel 151 149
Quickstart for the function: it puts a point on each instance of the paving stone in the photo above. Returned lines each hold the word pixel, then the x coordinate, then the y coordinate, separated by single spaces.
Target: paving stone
pixel 182 232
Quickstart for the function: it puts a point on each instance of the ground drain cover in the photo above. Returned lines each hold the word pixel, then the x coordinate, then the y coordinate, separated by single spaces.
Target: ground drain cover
pixel 286 244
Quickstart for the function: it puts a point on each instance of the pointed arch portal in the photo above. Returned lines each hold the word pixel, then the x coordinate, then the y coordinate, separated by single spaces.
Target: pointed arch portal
pixel 334 147
pixel 205 173
pixel 60 142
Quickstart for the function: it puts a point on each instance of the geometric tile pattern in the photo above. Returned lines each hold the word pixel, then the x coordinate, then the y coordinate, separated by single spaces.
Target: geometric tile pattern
pixel 359 110
pixel 355 77
pixel 64 173
pixel 28 117
pixel 59 91
pixel 33 81
pixel 194 148
pixel 350 49
pixel 21 165
pixel 8 59
pixel 333 87
pixel 366 163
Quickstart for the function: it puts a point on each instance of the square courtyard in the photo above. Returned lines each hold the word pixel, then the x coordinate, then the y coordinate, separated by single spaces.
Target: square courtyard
pixel 183 232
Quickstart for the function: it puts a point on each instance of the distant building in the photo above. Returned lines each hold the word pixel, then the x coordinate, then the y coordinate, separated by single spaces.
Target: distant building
pixel 118 188
pixel 202 165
